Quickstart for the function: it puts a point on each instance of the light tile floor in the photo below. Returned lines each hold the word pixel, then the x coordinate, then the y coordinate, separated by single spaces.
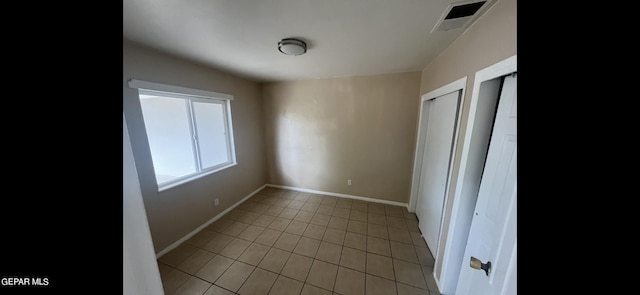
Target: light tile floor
pixel 287 242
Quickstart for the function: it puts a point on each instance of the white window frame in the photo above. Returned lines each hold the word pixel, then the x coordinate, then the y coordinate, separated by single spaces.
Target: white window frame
pixel 193 95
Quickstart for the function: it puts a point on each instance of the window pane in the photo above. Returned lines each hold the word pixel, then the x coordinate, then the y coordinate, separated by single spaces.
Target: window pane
pixel 168 129
pixel 212 139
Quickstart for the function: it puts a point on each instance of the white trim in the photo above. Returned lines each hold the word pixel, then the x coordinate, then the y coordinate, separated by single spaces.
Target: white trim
pixel 447 187
pixel 504 67
pixel 339 195
pixel 231 141
pixel 459 84
pixel 190 100
pixel 193 130
pixel 139 84
pixel 221 214
pixel 435 278
pixel 446 89
pixel 194 177
pixel 212 220
pixel 423 117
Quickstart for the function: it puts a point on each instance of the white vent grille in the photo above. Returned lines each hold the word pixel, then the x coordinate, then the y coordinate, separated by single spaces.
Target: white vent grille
pixel 459 14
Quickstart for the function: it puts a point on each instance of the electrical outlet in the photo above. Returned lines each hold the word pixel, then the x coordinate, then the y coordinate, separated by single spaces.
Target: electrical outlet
pixel 216 202
pixel 348 181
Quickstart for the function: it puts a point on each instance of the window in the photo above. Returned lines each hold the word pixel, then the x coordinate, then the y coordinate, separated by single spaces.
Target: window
pixel 189 131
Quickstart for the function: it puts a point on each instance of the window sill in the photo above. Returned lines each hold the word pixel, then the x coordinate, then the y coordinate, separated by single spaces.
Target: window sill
pixel 167 186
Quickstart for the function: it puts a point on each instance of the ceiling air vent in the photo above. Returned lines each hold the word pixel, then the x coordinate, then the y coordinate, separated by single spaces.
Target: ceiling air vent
pixel 458 15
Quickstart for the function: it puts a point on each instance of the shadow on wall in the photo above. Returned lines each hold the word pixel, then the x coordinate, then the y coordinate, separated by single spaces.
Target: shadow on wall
pixel 306 153
pixel 324 132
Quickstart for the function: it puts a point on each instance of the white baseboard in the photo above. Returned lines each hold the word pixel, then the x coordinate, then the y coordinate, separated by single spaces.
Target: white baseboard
pixel 212 220
pixel 367 199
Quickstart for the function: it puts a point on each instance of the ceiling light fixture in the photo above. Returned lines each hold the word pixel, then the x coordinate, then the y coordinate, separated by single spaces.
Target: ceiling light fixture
pixel 292 46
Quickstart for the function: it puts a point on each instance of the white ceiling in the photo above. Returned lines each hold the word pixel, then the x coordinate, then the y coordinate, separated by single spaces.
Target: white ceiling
pixel 344 37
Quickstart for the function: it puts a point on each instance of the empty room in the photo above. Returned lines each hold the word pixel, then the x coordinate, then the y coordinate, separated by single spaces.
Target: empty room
pixel 319 147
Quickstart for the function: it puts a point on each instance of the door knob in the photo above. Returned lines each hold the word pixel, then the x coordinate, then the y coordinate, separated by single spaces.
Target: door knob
pixel 477 264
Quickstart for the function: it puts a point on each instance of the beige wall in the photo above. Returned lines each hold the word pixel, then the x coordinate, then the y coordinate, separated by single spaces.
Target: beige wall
pixel 490 39
pixel 322 132
pixel 174 213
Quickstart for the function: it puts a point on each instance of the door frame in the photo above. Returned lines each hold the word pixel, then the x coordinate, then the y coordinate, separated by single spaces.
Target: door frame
pixel 141 274
pixel 460 221
pixel 423 118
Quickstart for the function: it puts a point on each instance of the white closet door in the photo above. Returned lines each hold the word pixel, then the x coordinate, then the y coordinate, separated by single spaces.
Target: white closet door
pixel 441 126
pixel 493 236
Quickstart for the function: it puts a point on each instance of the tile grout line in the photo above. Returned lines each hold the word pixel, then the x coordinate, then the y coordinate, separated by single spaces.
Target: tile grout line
pixel 366 263
pixel 236 259
pixel 176 268
pixel 308 272
pixel 298 210
pixel 265 255
pixel 395 279
pixel 257 265
pixel 178 288
pixel 335 280
pixel 245 280
pixel 205 291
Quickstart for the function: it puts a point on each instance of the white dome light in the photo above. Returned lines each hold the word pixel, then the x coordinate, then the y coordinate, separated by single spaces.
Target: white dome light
pixel 291 46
